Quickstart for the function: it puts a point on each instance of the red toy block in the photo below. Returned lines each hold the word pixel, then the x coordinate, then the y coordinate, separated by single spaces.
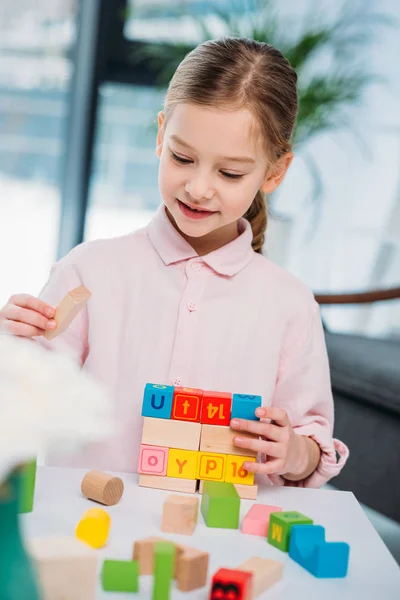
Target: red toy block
pixel 216 408
pixel 256 521
pixel 186 405
pixel 231 584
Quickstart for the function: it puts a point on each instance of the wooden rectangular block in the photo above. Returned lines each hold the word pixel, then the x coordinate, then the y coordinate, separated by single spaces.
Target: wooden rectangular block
pixel 153 460
pixel 182 463
pixel 211 466
pixel 143 553
pixel 256 521
pixel 244 406
pixel 192 568
pixel 157 401
pixel 172 484
pixel 246 492
pixel 180 514
pixel 67 310
pixel 216 408
pixel 218 438
pixel 234 471
pixel 67 568
pixel 186 405
pixel 171 434
pixel 265 571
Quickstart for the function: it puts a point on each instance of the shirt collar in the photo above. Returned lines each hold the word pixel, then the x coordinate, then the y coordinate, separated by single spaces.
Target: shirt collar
pixel 173 248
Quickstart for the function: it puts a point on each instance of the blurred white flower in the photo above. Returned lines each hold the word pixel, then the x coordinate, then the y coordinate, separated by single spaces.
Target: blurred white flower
pixel 46 400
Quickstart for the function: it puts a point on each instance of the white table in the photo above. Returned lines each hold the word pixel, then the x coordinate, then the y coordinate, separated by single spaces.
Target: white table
pixel 373 573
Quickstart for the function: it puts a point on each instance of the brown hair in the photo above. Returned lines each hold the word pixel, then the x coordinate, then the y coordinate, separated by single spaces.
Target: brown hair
pixel 232 73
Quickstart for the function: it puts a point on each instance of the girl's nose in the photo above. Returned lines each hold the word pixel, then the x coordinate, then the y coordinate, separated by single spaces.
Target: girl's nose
pixel 199 188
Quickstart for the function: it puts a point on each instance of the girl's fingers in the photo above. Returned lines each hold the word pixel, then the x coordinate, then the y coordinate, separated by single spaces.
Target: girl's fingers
pixel 21 329
pixel 29 317
pixel 257 445
pixel 269 468
pixel 267 430
pixel 277 415
pixel 36 304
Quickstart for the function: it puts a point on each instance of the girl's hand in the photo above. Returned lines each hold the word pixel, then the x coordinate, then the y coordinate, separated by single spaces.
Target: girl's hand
pixel 284 449
pixel 26 316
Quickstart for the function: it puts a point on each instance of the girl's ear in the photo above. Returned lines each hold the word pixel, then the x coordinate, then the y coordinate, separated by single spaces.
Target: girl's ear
pixel 160 133
pixel 278 173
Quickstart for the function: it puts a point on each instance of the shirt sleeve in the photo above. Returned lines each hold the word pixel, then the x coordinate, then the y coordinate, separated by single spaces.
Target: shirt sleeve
pixel 64 277
pixel 303 390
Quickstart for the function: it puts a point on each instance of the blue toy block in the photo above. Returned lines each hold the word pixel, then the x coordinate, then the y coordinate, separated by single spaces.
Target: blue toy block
pixel 157 401
pixel 310 550
pixel 244 406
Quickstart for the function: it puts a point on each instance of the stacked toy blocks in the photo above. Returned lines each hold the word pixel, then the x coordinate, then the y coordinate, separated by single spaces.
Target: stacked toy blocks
pixel 186 437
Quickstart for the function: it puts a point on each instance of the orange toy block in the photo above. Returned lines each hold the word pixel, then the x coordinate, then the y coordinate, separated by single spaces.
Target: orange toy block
pixel 182 463
pixel 234 471
pixel 216 408
pixel 186 405
pixel 246 492
pixel 67 310
pixel 180 514
pixel 218 438
pixel 211 466
pixel 256 521
pixel 265 572
pixel 102 487
pixel 94 527
pixel 153 460
pixel 171 484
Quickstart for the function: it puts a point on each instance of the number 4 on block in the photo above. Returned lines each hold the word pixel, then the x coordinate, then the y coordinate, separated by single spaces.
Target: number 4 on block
pixel 216 408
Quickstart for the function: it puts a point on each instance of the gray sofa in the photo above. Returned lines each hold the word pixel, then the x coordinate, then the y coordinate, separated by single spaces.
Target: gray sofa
pixel 365 376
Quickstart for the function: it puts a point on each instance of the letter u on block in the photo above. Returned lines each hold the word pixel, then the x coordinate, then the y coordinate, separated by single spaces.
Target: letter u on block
pixel 157 401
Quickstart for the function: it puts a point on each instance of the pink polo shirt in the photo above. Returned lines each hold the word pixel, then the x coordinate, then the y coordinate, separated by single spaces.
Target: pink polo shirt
pixel 230 321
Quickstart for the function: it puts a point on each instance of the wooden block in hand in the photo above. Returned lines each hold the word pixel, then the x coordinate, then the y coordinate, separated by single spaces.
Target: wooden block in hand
pixel 153 460
pixel 265 571
pixel 171 484
pixel 230 583
pixel 218 438
pixel 257 519
pixel 192 568
pixel 234 471
pixel 280 524
pixel 102 487
pixel 66 568
pixel 186 405
pixel 94 527
pixel 247 492
pixel 244 406
pixel 180 514
pixel 182 463
pixel 67 310
pixel 157 401
pixel 171 434
pixel 220 505
pixel 216 408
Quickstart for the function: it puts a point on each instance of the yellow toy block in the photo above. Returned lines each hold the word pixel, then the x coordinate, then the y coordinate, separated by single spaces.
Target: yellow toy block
pixel 211 466
pixel 94 527
pixel 235 473
pixel 182 463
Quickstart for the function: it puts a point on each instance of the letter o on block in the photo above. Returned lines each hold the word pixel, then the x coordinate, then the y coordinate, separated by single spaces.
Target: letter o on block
pixel 153 460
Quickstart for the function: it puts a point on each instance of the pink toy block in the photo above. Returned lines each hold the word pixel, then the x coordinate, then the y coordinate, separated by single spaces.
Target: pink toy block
pixel 153 460
pixel 256 521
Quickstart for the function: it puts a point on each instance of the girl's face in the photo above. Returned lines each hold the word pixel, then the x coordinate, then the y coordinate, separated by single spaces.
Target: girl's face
pixel 212 164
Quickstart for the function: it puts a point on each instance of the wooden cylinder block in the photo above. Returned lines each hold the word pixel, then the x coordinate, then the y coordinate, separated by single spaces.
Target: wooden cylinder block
pixel 102 487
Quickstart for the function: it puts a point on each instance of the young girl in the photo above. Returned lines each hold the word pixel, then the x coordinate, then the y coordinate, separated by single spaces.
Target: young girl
pixel 189 300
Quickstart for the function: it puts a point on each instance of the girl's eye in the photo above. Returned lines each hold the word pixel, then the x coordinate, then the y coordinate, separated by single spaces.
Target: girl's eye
pixel 185 161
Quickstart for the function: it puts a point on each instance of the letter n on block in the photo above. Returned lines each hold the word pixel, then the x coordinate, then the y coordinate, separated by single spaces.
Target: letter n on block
pixel 182 463
pixel 157 401
pixel 211 466
pixel 153 460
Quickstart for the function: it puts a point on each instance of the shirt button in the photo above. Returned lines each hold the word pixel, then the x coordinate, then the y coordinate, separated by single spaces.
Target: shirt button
pixel 196 266
pixel 190 306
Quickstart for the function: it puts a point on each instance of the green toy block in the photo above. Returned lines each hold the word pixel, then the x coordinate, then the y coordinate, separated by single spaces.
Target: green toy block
pixel 120 576
pixel 280 524
pixel 220 505
pixel 27 487
pixel 164 562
